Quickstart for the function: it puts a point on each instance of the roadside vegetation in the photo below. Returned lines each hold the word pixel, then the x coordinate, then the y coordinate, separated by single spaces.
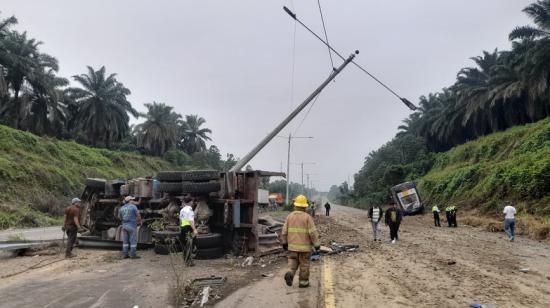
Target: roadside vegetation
pixel 454 145
pixel 39 172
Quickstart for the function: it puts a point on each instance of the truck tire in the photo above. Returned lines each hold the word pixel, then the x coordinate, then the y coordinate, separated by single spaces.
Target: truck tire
pixel 209 240
pixel 188 176
pixel 161 249
pixel 201 188
pixel 96 183
pixel 170 187
pixel 163 235
pixel 201 175
pixel 209 253
pixel 170 176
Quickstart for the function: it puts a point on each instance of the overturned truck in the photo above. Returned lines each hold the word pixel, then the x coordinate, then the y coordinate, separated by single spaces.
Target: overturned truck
pixel 226 211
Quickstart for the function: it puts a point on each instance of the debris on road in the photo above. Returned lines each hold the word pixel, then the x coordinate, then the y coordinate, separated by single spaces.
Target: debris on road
pixel 268 275
pixel 524 270
pixel 205 294
pixel 248 261
pixel 208 281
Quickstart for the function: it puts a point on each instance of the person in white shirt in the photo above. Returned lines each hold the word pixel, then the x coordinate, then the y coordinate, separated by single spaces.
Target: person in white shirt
pixel 509 220
pixel 375 215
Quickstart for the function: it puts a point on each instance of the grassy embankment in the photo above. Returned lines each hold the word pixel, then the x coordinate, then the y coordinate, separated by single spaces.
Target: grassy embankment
pixel 479 175
pixel 38 176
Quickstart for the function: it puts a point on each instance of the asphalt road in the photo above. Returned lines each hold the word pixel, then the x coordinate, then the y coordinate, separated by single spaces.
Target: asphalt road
pixel 33 234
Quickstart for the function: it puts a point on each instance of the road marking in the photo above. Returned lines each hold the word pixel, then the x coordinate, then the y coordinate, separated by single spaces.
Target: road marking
pixel 328 287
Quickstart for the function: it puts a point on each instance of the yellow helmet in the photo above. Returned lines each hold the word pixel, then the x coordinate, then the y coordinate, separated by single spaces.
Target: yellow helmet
pixel 300 201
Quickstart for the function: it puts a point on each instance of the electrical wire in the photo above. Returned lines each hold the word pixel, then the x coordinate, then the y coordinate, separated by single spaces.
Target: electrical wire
pixel 404 100
pixel 325 30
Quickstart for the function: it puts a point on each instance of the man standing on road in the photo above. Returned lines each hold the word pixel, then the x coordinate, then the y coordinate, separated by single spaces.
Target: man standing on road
pixel 187 219
pixel 299 236
pixel 327 209
pixel 375 215
pixel 450 212
pixel 435 211
pixel 129 214
pixel 393 220
pixel 72 225
pixel 509 221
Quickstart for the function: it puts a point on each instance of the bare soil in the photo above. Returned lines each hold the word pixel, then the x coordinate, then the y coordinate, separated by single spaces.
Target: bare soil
pixel 440 267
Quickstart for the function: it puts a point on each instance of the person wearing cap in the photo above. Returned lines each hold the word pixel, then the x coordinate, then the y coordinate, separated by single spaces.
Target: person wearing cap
pixel 72 225
pixel 299 236
pixel 129 214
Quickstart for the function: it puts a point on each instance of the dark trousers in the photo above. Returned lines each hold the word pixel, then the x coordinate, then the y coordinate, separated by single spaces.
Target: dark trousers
pixel 451 219
pixel 71 238
pixel 327 211
pixel 394 229
pixel 437 223
pixel 183 235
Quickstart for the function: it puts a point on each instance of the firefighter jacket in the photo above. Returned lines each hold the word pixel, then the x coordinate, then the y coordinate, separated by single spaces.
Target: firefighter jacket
pixel 299 232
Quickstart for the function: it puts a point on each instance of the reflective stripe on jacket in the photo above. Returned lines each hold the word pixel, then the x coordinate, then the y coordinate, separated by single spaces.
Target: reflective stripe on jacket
pixel 299 232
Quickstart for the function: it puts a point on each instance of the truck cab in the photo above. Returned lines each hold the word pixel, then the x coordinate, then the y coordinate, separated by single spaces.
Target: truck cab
pixel 407 196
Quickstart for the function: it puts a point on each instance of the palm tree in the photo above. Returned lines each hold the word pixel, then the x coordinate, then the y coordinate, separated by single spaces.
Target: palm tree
pixel 193 136
pixel 540 13
pixel 20 56
pixel 159 132
pixel 102 107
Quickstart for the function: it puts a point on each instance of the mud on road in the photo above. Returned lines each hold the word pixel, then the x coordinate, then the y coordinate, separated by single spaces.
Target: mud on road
pixel 428 267
pixel 439 267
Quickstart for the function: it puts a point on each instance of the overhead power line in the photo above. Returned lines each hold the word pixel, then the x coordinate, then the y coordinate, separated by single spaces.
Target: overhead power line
pixel 410 105
pixel 325 30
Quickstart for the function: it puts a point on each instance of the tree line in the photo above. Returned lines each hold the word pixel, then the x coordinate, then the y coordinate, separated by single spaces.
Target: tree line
pixel 503 89
pixel 96 112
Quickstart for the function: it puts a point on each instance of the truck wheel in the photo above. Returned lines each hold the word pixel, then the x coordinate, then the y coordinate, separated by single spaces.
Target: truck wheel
pixel 200 188
pixel 161 249
pixel 209 253
pixel 96 183
pixel 163 235
pixel 201 175
pixel 209 240
pixel 170 176
pixel 170 187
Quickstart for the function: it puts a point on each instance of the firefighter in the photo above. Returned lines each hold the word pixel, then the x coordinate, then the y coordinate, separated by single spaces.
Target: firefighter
pixel 299 236
pixel 435 211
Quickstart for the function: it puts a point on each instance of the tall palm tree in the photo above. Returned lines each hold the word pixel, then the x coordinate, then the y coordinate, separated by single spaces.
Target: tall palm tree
pixel 20 56
pixel 102 107
pixel 5 24
pixel 159 132
pixel 540 13
pixel 193 136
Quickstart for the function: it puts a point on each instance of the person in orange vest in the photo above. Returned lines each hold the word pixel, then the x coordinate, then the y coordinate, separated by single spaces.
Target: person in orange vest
pixel 299 237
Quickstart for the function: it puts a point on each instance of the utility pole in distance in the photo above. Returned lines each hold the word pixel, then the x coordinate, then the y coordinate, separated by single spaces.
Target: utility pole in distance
pixel 302 166
pixel 290 137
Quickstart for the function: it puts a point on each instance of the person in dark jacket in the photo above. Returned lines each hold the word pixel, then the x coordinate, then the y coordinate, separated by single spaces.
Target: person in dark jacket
pixel 393 218
pixel 375 216
pixel 327 209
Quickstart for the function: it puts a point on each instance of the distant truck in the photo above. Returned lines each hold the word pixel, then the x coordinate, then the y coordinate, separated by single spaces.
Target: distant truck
pixel 406 195
pixel 276 198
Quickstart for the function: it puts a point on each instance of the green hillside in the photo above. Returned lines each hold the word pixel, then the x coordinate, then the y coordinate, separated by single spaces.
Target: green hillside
pixel 40 175
pixel 511 165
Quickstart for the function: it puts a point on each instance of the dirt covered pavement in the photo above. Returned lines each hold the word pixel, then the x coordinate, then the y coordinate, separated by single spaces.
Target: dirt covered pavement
pixel 428 267
pixel 99 278
pixel 438 267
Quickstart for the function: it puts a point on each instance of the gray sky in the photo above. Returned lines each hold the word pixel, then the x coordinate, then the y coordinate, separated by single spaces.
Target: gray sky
pixel 230 62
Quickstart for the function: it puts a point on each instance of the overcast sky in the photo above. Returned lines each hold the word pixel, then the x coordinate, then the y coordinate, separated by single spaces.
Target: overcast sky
pixel 231 63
